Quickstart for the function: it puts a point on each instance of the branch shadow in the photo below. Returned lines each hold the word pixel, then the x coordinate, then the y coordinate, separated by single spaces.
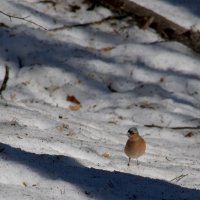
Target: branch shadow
pixel 93 182
pixel 96 183
pixel 32 51
pixel 150 89
pixel 74 58
pixel 36 13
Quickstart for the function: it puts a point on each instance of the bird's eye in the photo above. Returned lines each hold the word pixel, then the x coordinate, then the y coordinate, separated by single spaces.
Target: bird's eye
pixel 131 132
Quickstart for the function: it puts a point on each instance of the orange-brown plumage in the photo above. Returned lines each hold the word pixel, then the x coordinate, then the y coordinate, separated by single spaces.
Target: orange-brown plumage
pixel 135 146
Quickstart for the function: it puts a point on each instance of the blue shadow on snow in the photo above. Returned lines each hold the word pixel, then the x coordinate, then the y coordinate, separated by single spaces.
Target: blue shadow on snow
pixel 97 183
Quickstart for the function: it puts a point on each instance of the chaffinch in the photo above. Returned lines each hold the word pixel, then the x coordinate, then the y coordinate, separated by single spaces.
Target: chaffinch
pixel 135 145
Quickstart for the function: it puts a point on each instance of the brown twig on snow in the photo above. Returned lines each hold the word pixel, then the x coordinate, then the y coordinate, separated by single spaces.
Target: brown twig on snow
pixel 178 178
pixel 175 128
pixel 87 23
pixel 22 18
pixel 5 80
pixel 53 3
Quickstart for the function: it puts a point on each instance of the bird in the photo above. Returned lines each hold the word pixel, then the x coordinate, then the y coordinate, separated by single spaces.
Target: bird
pixel 135 145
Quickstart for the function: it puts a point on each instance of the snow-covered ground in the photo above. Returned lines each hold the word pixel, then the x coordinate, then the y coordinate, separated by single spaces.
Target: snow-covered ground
pixel 72 94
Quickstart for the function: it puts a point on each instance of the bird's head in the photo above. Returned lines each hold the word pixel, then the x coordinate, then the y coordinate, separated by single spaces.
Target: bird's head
pixel 133 132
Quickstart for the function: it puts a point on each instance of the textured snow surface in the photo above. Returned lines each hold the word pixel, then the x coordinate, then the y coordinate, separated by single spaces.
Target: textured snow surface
pixel 72 94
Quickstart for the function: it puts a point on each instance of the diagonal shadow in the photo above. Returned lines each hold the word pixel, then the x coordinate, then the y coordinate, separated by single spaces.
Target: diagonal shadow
pixel 151 89
pixel 34 12
pixel 33 48
pixel 74 58
pixel 97 183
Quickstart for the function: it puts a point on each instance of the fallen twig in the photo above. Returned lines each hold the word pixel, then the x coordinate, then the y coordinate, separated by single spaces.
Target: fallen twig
pixel 22 18
pixel 6 77
pixel 178 178
pixel 53 3
pixel 175 128
pixel 87 23
pixel 167 158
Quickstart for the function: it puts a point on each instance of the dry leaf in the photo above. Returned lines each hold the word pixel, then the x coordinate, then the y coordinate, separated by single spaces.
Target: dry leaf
pixel 106 155
pixel 24 184
pixel 147 105
pixel 73 99
pixel 190 134
pixel 74 107
pixel 162 79
pixel 106 49
pixel 71 133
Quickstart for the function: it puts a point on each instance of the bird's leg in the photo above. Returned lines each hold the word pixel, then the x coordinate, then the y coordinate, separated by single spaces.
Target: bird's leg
pixel 129 159
pixel 137 162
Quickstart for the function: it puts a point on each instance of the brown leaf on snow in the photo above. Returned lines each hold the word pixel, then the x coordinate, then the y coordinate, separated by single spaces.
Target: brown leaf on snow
pixel 190 134
pixel 76 103
pixel 25 184
pixel 73 99
pixel 106 155
pixel 147 105
pixel 71 133
pixel 162 79
pixel 75 107
pixel 106 49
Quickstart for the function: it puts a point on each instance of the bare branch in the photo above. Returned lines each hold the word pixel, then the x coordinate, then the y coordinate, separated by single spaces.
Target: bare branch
pixel 22 18
pixel 178 178
pixel 175 128
pixel 145 18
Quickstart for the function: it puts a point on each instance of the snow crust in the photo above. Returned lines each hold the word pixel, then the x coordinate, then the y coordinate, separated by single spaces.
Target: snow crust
pixel 54 148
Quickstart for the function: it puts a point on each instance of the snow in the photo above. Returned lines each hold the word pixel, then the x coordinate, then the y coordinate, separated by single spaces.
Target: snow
pixel 54 148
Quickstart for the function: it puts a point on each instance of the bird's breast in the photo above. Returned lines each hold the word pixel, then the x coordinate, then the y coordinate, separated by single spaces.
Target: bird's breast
pixel 135 149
